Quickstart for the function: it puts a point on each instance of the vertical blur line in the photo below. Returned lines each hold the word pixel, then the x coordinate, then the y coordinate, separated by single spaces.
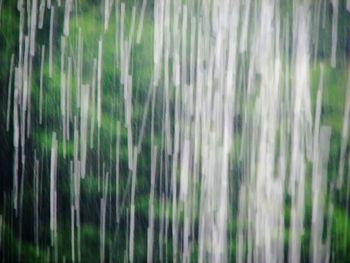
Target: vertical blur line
pixel 140 27
pixel 51 41
pixel 41 84
pixel 0 10
pixel 33 27
pixel 334 32
pixel 41 14
pixel 345 127
pixel 9 94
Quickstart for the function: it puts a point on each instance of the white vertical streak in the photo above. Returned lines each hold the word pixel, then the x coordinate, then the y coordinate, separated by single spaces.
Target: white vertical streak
pixel 144 117
pixel 132 27
pixel 117 156
pixel 41 84
pixel 41 14
pixel 245 27
pixel 72 196
pixel 142 17
pixel 53 192
pixel 132 207
pixel 19 4
pixel 99 87
pixel 344 135
pixel 106 14
pixel 317 181
pixel 29 101
pixel 72 234
pixel 51 41
pixel 334 32
pixel 150 229
pixel 36 202
pixel 83 128
pixel 33 27
pixel 16 136
pixel 300 126
pixel 63 95
pixel 93 103
pixel 117 30
pixel 80 66
pixel 24 94
pixel 9 92
pixel 184 170
pixel 121 41
pixel 20 41
pixel 69 95
pixel 128 116
pixel 67 10
pixel 103 216
pixel 76 178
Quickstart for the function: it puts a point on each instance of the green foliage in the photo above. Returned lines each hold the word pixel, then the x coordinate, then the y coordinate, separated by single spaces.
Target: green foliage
pixel 89 19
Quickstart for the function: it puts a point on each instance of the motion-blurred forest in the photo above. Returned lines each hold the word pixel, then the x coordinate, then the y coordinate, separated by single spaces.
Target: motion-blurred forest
pixel 25 232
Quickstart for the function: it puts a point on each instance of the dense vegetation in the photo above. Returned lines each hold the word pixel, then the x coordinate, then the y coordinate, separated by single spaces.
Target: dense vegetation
pixel 17 239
